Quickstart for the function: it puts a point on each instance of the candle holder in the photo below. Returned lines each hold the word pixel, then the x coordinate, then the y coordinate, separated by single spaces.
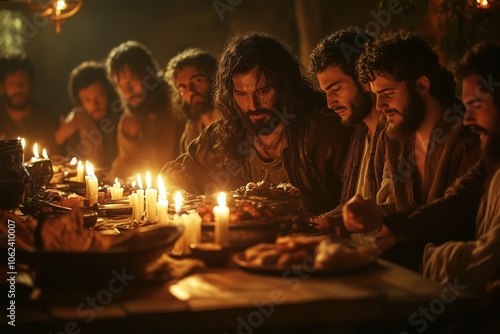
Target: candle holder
pixel 41 170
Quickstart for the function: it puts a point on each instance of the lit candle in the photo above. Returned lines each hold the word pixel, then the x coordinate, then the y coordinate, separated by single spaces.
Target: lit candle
pixel 44 154
pixel 162 205
pixel 178 205
pixel 35 153
pixel 23 142
pixel 80 172
pixel 140 197
pixel 151 199
pixel 221 213
pixel 91 184
pixel 116 190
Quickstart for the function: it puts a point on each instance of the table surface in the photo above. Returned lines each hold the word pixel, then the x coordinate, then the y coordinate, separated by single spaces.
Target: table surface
pixel 235 301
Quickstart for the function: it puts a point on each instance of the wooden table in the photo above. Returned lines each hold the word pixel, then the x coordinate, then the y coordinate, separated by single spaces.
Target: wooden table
pixel 229 300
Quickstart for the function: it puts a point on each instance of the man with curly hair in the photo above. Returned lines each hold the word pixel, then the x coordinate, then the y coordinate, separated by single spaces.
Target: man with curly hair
pixel 335 67
pixel 271 118
pixel 190 74
pixel 426 145
pixel 88 132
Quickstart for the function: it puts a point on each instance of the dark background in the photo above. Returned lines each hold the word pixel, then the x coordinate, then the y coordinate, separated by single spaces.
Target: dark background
pixel 169 26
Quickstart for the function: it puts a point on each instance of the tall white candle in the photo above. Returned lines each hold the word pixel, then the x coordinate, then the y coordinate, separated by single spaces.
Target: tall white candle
pixel 116 190
pixel 133 202
pixel 80 169
pixel 151 199
pixel 221 213
pixel 162 205
pixel 91 184
pixel 140 197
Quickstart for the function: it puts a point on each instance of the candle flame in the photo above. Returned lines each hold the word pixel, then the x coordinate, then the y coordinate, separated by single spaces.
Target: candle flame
pixel 139 181
pixel 23 142
pixel 148 180
pixel 221 199
pixel 35 151
pixel 133 184
pixel 74 161
pixel 90 169
pixel 116 181
pixel 44 154
pixel 162 190
pixel 178 202
pixel 61 5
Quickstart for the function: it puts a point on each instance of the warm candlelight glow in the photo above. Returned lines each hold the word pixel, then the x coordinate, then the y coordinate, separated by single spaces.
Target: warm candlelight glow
pixel 178 202
pixel 148 180
pixel 221 199
pixel 35 151
pixel 61 5
pixel 90 169
pixel 139 181
pixel 161 188
pixel 117 182
pixel 74 162
pixel 133 184
pixel 44 154
pixel 23 142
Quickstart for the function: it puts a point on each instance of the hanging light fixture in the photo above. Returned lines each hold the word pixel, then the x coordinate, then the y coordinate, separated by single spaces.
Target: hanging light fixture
pixel 483 4
pixel 55 10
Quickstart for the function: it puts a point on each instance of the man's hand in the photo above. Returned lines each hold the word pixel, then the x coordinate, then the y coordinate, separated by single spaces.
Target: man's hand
pixel 67 128
pixel 361 215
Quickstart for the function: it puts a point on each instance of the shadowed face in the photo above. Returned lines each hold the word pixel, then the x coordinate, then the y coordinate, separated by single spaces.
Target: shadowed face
pixel 130 87
pixel 194 87
pixel 94 100
pixel 257 99
pixel 482 115
pixel 344 95
pixel 16 90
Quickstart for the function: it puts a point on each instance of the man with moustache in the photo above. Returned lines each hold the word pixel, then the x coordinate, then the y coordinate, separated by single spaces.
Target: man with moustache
pixel 270 118
pixel 20 116
pixel 88 132
pixel 426 145
pixel 148 131
pixel 190 74
pixel 336 73
pixel 473 259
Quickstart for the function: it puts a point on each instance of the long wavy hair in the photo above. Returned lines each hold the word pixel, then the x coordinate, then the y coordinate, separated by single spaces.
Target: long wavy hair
pixel 276 62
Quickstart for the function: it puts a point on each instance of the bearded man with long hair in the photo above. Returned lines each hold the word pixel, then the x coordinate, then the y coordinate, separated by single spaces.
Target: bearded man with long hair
pixel 271 118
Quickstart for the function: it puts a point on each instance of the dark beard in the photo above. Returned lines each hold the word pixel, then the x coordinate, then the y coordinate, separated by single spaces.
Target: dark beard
pixel 262 127
pixel 16 107
pixel 413 116
pixel 360 106
pixel 200 108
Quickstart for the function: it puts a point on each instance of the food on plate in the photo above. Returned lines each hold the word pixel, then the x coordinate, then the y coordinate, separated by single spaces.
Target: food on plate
pixel 267 188
pixel 339 256
pixel 64 232
pixel 295 250
pixel 67 233
pixel 240 211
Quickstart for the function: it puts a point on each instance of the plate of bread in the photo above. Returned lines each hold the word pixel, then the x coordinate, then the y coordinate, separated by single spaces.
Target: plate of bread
pixel 313 254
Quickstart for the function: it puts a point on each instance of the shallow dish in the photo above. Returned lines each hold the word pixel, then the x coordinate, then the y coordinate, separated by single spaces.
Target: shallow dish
pixel 307 268
pixel 131 254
